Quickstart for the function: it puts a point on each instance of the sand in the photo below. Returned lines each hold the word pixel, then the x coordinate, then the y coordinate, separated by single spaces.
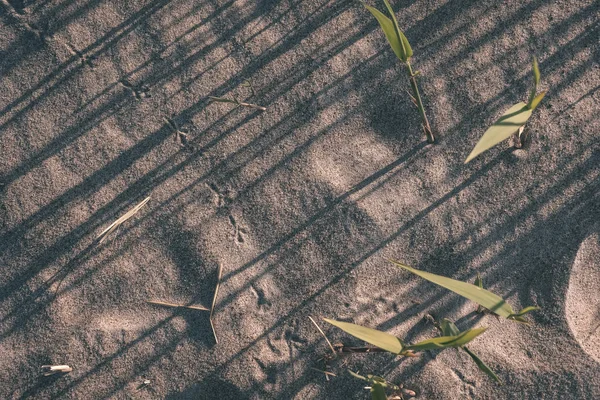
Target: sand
pixel 103 103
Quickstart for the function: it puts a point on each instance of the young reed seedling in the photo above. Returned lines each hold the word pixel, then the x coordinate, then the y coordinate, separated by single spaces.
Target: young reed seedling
pixel 392 344
pixel 395 345
pixel 512 121
pixel 403 51
pixel 483 297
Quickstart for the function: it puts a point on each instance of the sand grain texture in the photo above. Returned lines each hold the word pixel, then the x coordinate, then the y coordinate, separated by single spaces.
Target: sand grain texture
pixel 301 204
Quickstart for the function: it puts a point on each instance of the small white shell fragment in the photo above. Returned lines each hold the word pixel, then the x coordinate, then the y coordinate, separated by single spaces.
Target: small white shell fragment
pixel 48 370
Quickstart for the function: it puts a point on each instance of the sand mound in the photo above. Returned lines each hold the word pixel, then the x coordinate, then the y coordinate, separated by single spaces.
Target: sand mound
pixel 583 297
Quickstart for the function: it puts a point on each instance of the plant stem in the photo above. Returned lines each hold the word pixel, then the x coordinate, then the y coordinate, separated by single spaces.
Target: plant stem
pixel 366 349
pixel 417 97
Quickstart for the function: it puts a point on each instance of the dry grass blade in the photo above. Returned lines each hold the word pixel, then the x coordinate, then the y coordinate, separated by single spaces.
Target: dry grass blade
pixel 412 98
pixel 322 333
pixel 112 227
pixel 327 373
pixel 250 105
pixel 212 307
pixel 213 330
pixel 219 274
pixel 173 305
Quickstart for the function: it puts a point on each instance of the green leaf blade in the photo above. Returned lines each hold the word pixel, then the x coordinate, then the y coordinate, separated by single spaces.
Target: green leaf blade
pixel 519 317
pixel 509 124
pixel 445 342
pixel 536 81
pixel 406 49
pixel 479 281
pixel 378 392
pixel 408 52
pixel 387 26
pixel 482 366
pixel 536 101
pixel 377 338
pixel 448 328
pixel 474 293
pixel 527 310
pixel 536 71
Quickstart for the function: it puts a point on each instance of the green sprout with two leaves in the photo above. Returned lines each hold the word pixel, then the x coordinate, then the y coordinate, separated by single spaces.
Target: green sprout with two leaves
pixel 403 51
pixel 512 122
pixel 396 345
pixel 451 336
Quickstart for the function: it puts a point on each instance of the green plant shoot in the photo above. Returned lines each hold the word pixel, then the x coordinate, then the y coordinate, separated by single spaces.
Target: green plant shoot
pixel 479 284
pixel 512 121
pixel 401 47
pixel 395 345
pixel 378 385
pixel 481 296
pixel 448 328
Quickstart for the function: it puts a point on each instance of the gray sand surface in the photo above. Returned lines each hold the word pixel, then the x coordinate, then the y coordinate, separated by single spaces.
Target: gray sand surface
pixel 302 204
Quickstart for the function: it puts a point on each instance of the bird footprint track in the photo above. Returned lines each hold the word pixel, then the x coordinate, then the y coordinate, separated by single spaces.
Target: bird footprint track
pixel 223 198
pixel 85 60
pixel 179 135
pixel 139 91
pixel 239 231
pixel 261 298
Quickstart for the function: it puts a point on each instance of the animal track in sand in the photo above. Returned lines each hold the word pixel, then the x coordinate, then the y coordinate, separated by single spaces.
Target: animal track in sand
pixel 239 231
pixel 583 297
pixel 261 298
pixel 179 135
pixel 270 370
pixel 139 91
pixel 223 197
pixel 292 336
pixel 85 60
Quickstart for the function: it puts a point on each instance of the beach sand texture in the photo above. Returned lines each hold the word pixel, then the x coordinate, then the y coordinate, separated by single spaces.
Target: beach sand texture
pixel 105 102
